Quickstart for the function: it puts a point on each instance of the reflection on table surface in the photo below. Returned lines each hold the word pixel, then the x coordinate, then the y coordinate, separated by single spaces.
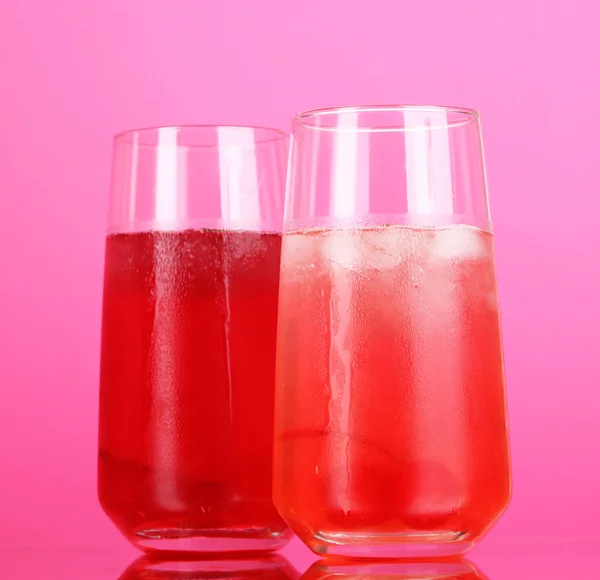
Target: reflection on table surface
pixel 274 567
pixel 521 560
pixel 279 568
pixel 442 570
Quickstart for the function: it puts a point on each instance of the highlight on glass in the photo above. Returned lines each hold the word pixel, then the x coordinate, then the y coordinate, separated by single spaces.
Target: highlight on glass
pixel 189 337
pixel 390 416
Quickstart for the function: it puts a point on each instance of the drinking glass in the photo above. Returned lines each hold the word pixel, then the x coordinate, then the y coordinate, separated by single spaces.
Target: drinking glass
pixel 189 337
pixel 390 415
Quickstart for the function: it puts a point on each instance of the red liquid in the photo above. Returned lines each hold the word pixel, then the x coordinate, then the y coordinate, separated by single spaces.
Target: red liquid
pixel 186 396
pixel 391 422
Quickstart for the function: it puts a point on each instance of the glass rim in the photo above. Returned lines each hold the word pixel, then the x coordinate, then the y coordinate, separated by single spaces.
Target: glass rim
pixel 271 134
pixel 307 119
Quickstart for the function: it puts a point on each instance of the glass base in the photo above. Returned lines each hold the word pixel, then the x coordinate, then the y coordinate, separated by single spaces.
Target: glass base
pixel 193 541
pixel 406 545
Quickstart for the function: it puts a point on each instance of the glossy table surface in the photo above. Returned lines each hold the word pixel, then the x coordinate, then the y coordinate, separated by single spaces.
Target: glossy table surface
pixel 520 560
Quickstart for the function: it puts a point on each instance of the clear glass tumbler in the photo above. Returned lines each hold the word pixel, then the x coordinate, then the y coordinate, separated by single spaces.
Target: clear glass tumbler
pixel 390 415
pixel 189 338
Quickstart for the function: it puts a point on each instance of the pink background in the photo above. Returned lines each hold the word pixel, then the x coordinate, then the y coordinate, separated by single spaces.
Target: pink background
pixel 72 73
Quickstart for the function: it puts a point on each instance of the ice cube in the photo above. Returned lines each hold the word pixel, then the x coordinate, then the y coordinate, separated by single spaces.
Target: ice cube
pixel 297 251
pixel 366 249
pixel 394 245
pixel 459 243
pixel 344 248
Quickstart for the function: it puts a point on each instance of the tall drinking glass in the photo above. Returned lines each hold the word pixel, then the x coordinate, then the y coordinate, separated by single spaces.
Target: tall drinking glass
pixel 189 338
pixel 390 415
